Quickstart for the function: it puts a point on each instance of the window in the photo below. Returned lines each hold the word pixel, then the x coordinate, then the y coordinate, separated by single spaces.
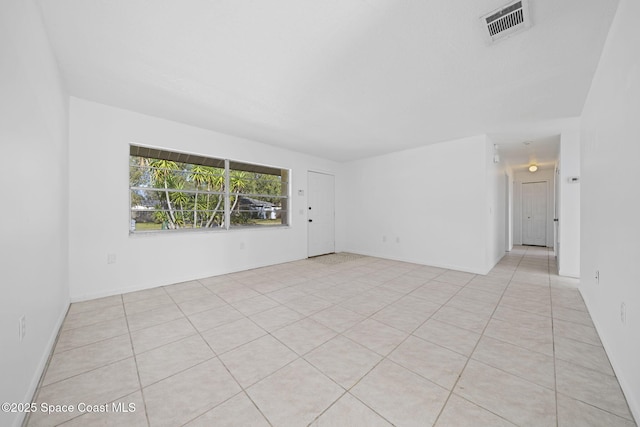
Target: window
pixel 178 191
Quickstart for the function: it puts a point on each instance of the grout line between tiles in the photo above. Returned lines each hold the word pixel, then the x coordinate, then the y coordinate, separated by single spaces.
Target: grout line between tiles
pixel 553 340
pixel 453 387
pixel 217 356
pixel 385 356
pixel 529 259
pixel 135 359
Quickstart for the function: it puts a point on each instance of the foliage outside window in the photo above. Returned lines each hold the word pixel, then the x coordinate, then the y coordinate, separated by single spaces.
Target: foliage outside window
pixel 176 191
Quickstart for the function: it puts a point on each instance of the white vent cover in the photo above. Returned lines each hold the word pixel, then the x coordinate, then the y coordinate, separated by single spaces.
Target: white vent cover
pixel 507 21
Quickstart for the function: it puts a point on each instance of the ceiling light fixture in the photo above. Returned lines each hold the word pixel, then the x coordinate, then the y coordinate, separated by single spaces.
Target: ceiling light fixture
pixel 533 168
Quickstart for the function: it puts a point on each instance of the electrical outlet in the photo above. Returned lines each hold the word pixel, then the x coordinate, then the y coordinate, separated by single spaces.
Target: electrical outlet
pixel 111 258
pixel 597 277
pixel 397 240
pixel 241 245
pixel 384 239
pixel 623 313
pixel 22 327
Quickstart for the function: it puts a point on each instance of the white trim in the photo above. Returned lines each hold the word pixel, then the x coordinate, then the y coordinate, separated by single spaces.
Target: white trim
pixel 37 378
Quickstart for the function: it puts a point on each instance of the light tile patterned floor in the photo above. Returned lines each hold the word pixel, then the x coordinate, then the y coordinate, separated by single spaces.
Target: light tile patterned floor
pixel 347 342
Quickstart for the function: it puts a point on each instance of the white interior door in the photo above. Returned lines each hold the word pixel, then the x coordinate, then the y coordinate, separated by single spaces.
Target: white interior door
pixel 534 213
pixel 321 214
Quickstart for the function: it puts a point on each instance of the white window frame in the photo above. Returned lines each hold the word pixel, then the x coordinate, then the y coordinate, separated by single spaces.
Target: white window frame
pixel 228 168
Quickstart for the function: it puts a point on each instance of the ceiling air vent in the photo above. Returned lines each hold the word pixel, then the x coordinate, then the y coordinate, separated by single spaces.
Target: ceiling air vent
pixel 507 20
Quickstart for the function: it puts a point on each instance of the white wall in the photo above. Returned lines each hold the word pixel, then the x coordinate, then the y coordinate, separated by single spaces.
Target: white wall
pixel 569 210
pixel 427 205
pixel 33 248
pixel 610 199
pixel 99 206
pixel 496 211
pixel 521 177
pixel 509 174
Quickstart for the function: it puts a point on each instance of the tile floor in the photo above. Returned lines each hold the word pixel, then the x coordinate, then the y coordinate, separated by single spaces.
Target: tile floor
pixel 339 341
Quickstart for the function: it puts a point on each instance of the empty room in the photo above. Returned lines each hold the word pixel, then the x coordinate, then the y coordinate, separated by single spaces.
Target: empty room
pixel 297 213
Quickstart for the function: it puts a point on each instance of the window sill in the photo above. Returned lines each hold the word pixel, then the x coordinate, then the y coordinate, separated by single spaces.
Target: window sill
pixel 200 231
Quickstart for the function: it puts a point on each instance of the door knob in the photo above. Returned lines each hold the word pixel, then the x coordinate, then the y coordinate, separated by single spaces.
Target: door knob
pixel 310 220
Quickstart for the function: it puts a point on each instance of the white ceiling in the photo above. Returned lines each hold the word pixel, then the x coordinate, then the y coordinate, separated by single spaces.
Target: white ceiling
pixel 341 79
pixel 519 155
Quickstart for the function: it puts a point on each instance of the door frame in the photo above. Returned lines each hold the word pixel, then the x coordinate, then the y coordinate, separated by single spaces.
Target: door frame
pixel 546 211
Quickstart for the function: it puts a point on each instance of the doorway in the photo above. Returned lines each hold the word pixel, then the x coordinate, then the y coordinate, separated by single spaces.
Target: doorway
pixel 534 213
pixel 320 214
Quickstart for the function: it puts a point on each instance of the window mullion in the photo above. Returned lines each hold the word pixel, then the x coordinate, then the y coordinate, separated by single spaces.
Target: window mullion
pixel 227 199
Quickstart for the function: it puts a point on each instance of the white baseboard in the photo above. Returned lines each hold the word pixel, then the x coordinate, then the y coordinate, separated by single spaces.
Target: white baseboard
pixel 44 360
